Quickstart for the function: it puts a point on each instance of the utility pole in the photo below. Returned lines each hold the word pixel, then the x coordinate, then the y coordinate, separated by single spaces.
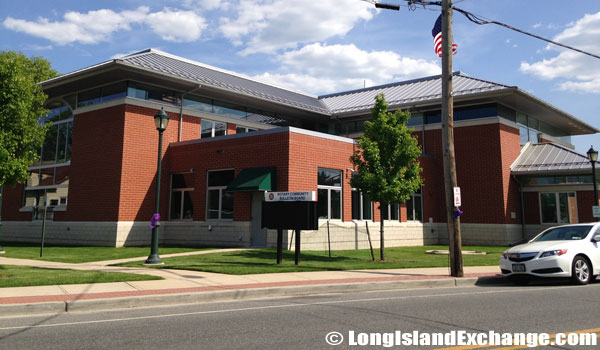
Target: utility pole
pixel 454 235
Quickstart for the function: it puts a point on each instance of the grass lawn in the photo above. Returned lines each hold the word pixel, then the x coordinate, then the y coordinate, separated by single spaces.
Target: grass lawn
pixel 263 260
pixel 21 276
pixel 83 254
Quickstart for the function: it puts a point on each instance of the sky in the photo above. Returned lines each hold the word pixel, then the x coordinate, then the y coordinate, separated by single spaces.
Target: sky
pixel 325 46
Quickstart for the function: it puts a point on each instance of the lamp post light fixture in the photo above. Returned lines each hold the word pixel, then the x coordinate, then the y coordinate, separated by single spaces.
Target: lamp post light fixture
pixel 593 157
pixel 161 119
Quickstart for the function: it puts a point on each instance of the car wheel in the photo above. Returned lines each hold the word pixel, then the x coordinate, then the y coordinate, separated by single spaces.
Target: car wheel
pixel 520 280
pixel 580 271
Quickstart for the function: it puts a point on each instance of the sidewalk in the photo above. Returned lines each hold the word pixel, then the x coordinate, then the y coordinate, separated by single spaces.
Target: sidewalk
pixel 182 286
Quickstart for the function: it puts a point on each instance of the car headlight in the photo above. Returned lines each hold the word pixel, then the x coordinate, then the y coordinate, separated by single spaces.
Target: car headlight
pixel 505 254
pixel 557 252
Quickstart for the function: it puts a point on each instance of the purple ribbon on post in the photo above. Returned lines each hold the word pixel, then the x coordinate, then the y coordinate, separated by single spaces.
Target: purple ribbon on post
pixel 155 221
pixel 457 212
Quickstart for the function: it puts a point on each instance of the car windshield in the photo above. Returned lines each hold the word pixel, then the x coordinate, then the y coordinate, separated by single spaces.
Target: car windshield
pixel 565 233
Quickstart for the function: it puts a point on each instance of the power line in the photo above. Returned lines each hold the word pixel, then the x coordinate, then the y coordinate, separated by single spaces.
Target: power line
pixel 475 19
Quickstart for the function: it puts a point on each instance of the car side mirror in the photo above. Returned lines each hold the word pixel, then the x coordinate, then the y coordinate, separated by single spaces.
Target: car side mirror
pixel 596 238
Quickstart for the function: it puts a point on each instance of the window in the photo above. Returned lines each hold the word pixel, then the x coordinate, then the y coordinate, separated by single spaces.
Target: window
pixel 150 92
pixel 242 129
pixel 414 210
pixel 219 202
pixel 362 207
pixel 181 200
pixel 558 208
pixel 103 94
pixel 391 212
pixel 329 194
pixel 212 129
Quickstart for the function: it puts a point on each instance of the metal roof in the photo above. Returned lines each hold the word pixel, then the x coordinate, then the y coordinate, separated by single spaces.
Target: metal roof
pixel 157 60
pixel 549 158
pixel 412 91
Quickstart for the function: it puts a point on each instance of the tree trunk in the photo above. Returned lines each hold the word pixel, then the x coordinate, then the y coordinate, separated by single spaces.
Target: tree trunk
pixel 381 241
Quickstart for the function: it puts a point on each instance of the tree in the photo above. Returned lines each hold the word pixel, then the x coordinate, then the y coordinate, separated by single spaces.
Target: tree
pixel 21 105
pixel 386 160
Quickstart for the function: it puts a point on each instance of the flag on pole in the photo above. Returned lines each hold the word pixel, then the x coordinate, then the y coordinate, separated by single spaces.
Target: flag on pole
pixel 436 32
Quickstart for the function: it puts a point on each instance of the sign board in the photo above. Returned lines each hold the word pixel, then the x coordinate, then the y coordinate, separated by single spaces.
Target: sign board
pixel 457 200
pixel 596 211
pixel 290 196
pixel 290 215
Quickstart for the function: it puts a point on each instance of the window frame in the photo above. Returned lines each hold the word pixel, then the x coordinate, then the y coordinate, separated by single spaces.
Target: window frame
pixel 182 190
pixel 329 189
pixel 558 213
pixel 412 197
pixel 361 205
pixel 212 128
pixel 222 189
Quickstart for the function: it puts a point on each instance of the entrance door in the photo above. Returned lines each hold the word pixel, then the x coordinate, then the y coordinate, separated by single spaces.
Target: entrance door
pixel 259 235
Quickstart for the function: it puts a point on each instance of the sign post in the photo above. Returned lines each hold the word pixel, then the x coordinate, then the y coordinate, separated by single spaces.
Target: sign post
pixel 596 211
pixel 457 198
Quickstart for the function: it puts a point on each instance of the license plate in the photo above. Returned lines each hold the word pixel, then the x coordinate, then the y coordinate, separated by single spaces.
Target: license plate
pixel 518 267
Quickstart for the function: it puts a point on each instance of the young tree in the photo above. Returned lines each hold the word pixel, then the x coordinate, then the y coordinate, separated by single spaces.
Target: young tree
pixel 21 105
pixel 386 160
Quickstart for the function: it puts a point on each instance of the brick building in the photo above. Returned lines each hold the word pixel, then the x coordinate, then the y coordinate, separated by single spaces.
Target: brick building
pixel 517 170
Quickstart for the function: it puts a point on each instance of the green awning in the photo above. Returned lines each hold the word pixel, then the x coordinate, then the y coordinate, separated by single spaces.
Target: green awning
pixel 254 179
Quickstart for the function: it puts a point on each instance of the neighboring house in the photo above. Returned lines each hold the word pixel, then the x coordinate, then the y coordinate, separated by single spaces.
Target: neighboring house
pixel 230 138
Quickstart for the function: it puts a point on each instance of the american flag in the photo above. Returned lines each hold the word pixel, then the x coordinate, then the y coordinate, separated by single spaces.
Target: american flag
pixel 436 32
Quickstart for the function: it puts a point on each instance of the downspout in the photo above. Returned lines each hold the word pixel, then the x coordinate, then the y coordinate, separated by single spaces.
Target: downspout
pixel 180 131
pixel 522 207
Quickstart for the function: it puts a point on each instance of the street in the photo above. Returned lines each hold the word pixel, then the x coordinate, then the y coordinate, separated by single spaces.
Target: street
pixel 304 322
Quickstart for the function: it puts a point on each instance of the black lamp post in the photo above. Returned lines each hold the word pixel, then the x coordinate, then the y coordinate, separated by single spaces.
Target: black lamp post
pixel 161 119
pixel 593 157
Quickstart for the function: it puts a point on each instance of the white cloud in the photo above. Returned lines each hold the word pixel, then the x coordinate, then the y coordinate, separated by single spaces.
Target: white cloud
pixel 576 71
pixel 202 4
pixel 270 25
pixel 97 26
pixel 178 26
pixel 320 69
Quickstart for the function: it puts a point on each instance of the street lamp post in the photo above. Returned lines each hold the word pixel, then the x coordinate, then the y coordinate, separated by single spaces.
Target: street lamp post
pixel 593 157
pixel 161 119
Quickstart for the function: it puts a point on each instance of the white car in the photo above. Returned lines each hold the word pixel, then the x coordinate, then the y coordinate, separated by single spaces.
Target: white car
pixel 563 251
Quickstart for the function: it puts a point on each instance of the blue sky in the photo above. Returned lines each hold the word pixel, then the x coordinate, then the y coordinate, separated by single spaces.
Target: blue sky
pixel 327 46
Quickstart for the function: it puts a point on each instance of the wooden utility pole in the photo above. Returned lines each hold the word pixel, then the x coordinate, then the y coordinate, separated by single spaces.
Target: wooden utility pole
pixel 454 235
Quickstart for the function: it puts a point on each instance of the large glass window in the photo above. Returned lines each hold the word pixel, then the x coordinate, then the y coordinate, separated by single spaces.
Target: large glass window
pixel 150 92
pixel 219 202
pixel 242 129
pixel 558 208
pixel 391 212
pixel 329 194
pixel 362 207
pixel 211 128
pixel 181 200
pixel 102 94
pixel 414 210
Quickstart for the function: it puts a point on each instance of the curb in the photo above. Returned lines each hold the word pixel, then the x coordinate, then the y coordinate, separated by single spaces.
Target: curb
pixel 232 295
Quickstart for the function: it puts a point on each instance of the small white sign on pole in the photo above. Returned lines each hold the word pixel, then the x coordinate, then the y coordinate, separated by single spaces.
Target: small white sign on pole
pixel 310 196
pixel 457 199
pixel 596 211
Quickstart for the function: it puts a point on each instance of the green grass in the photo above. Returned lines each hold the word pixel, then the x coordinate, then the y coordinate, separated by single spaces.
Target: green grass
pixel 83 254
pixel 263 260
pixel 21 276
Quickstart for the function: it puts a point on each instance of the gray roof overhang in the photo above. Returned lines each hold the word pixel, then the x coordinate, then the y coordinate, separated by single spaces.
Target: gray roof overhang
pixel 510 96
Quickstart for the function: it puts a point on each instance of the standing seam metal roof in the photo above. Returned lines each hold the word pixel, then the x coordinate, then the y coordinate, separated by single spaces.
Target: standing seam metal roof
pixel 548 157
pixel 413 91
pixel 159 61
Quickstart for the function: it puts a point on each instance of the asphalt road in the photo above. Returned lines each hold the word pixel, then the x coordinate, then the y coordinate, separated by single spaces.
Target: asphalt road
pixel 304 322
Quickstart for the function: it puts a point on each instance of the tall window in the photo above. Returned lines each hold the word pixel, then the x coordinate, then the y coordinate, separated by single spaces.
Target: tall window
pixel 181 200
pixel 391 212
pixel 212 129
pixel 362 207
pixel 558 208
pixel 329 189
pixel 219 202
pixel 414 210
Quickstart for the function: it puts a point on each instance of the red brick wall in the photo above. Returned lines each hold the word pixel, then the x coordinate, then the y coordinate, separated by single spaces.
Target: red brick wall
pixel 308 154
pixel 532 208
pixel 96 165
pixel 585 201
pixel 246 152
pixel 231 129
pixel 191 128
pixel 12 201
